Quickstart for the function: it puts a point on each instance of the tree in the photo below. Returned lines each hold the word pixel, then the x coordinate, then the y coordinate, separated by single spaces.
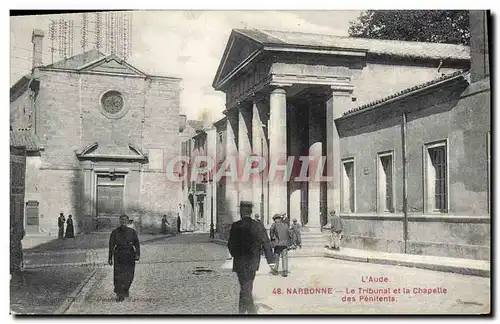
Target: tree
pixel 437 26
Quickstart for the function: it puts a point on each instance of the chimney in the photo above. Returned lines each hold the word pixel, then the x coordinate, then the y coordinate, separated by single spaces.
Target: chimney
pixel 480 62
pixel 37 40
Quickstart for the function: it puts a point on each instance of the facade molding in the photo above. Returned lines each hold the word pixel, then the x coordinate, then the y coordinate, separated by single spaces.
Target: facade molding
pixel 312 50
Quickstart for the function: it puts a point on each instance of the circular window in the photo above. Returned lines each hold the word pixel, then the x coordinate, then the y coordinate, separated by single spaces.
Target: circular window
pixel 113 104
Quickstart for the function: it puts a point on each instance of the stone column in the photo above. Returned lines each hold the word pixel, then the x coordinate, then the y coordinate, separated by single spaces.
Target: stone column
pixel 336 105
pixel 315 153
pixel 260 148
pixel 232 152
pixel 277 151
pixel 244 150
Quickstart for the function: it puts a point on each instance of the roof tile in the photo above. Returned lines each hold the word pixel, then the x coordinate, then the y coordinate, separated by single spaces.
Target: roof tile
pixel 405 91
pixel 24 139
pixel 396 48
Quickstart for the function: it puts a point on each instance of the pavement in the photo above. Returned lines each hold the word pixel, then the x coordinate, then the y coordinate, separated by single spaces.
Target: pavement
pixel 85 249
pixel 480 268
pixel 188 275
pixel 43 291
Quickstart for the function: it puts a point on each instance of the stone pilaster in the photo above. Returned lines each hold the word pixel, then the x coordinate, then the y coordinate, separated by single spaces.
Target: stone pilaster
pixel 337 104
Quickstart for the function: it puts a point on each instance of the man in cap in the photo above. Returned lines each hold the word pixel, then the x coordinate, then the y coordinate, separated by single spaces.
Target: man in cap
pixel 246 238
pixel 124 250
pixel 280 240
pixel 296 238
pixel 336 231
pixel 60 224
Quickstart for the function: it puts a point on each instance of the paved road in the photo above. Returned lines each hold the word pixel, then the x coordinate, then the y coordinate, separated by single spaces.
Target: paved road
pixel 166 283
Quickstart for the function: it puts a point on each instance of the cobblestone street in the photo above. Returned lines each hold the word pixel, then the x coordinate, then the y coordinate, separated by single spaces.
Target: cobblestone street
pixel 166 282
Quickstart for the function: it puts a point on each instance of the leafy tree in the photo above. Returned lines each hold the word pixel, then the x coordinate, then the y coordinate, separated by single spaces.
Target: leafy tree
pixel 438 26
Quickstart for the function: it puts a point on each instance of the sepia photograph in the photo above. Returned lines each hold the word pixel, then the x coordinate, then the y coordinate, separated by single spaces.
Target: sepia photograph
pixel 209 162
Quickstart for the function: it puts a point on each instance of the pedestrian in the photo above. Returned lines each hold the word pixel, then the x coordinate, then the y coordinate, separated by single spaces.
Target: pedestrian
pixel 131 224
pixel 336 231
pixel 280 240
pixel 246 238
pixel 124 251
pixel 285 219
pixel 60 223
pixel 70 230
pixel 296 237
pixel 178 223
pixel 164 223
pixel 257 217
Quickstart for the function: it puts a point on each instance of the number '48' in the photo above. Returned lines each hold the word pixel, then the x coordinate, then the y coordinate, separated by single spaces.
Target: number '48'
pixel 277 291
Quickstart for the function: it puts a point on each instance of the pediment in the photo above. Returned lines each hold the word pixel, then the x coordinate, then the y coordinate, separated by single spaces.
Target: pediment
pixel 112 64
pixel 239 50
pixel 105 152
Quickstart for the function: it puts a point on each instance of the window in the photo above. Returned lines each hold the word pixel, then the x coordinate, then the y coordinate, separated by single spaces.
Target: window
pixel 436 177
pixel 113 104
pixel 348 186
pixel 220 137
pixel 385 186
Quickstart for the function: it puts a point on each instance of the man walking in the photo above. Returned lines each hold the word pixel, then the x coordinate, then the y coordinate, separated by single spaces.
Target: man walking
pixel 280 240
pixel 124 251
pixel 246 238
pixel 336 231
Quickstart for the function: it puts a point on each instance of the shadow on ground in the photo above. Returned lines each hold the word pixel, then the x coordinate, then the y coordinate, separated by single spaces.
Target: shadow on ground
pixel 42 291
pixel 85 242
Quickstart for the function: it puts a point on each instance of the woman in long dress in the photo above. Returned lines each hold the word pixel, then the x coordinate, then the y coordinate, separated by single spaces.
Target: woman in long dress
pixel 70 230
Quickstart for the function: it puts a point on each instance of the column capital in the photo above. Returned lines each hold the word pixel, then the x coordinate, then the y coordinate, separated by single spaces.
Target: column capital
pixel 279 86
pixel 342 89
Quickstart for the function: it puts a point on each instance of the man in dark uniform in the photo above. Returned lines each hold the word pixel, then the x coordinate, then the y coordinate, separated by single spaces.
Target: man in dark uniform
pixel 124 250
pixel 60 224
pixel 246 238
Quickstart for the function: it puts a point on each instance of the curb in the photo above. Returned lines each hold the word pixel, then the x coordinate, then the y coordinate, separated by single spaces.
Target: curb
pixel 420 265
pixel 71 298
pixel 218 241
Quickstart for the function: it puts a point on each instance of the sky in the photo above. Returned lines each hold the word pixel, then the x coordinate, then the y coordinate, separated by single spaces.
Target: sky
pixel 185 44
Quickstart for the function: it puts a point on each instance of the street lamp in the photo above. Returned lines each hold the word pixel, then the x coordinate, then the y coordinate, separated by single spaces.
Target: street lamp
pixel 212 231
pixel 210 182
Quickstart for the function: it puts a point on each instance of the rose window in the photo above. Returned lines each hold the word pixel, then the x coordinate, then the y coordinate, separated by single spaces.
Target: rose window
pixel 112 102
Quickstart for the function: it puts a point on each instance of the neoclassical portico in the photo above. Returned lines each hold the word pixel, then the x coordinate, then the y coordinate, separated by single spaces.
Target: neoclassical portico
pixel 282 103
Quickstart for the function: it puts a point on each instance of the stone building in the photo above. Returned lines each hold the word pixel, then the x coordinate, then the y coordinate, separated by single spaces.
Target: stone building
pixel 198 207
pixel 105 132
pixel 403 125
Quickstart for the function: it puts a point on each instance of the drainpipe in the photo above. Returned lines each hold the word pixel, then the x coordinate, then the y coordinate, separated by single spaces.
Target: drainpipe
pixel 405 182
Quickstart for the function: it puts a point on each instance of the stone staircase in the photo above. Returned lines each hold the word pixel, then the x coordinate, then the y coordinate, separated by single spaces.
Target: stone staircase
pixel 313 245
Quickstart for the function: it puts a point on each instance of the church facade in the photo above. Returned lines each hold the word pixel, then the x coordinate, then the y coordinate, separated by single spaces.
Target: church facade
pixel 105 131
pixel 403 130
